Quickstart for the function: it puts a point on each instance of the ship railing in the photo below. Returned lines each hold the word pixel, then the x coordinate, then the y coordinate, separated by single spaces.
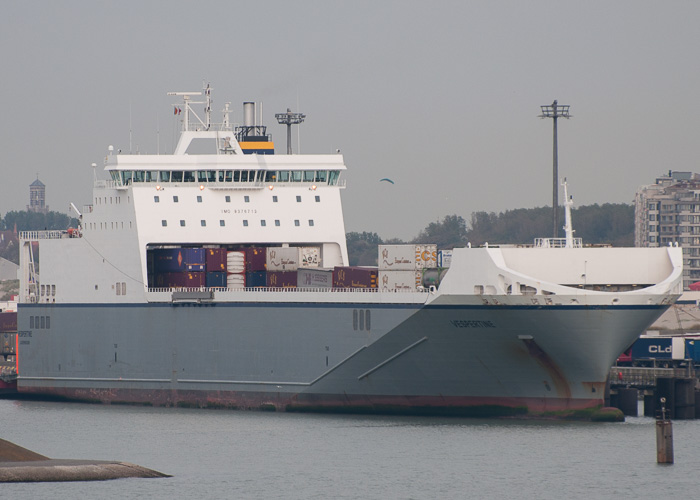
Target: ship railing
pixel 108 184
pixel 557 243
pixel 42 235
pixel 278 289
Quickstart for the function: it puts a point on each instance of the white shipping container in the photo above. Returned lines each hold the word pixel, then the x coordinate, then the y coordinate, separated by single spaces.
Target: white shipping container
pixel 314 278
pixel 235 281
pixel 309 256
pixel 403 281
pixel 444 258
pixel 407 257
pixel 282 258
pixel 235 262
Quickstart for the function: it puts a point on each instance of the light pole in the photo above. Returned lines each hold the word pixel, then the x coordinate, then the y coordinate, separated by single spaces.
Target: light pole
pixel 555 111
pixel 289 119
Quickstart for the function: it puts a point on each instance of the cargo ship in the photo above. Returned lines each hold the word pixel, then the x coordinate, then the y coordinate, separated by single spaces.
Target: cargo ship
pixel 218 276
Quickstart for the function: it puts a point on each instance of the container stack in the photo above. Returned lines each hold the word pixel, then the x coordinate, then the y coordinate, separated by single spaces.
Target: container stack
pixel 401 267
pixel 179 267
pixel 255 267
pixel 216 261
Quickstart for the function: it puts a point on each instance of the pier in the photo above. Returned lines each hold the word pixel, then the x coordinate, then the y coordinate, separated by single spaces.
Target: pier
pixel 679 386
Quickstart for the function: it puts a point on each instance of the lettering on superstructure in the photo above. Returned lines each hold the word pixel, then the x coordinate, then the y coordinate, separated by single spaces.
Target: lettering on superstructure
pixel 472 323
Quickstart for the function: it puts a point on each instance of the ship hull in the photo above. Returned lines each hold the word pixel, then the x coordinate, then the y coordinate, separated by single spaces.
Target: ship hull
pixel 449 359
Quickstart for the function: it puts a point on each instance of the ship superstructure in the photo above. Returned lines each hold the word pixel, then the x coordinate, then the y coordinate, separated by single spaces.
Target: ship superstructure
pixel 218 276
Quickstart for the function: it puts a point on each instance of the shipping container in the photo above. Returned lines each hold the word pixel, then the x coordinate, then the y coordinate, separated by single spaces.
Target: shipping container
pixel 282 279
pixel 444 258
pixel 8 322
pixel 195 259
pixel 255 259
pixel 173 260
pixel 235 281
pixel 433 277
pixel 354 277
pixel 168 260
pixel 282 258
pixel 235 260
pixel 180 280
pixel 406 257
pixel 255 279
pixel 309 256
pixel 216 280
pixel 403 281
pixel 216 259
pixel 652 348
pixel 315 278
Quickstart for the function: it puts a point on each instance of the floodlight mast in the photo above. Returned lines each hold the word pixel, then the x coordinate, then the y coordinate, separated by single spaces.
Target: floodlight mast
pixel 289 119
pixel 555 111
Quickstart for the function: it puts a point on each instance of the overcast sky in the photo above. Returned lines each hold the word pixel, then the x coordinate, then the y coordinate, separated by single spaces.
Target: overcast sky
pixel 441 97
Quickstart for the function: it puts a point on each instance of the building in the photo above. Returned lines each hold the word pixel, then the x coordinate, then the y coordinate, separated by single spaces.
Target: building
pixel 37 197
pixel 668 213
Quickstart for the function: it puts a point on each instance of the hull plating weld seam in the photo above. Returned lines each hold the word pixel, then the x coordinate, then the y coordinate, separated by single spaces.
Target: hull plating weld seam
pixel 392 358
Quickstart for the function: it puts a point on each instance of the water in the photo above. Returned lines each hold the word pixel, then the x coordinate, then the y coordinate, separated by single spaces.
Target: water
pixel 238 454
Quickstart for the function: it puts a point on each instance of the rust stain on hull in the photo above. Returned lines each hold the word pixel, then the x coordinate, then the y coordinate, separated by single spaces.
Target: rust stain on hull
pixel 561 385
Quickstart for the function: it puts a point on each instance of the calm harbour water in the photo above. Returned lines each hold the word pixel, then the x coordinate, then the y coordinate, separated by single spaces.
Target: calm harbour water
pixel 239 454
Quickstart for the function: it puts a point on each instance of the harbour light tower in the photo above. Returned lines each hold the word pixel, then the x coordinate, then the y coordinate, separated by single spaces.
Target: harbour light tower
pixel 289 119
pixel 555 111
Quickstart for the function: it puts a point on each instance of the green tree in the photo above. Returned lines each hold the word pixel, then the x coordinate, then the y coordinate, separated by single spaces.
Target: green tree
pixel 449 233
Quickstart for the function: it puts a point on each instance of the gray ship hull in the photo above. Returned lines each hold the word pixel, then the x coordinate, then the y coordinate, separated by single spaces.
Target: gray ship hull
pixel 358 357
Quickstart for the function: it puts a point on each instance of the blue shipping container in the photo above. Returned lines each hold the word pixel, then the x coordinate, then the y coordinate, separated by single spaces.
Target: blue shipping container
pixel 647 348
pixel 692 349
pixel 256 279
pixel 168 260
pixel 216 279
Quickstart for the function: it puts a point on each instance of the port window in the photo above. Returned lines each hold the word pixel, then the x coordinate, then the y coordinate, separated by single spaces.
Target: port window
pixel 199 199
pixel 277 222
pixel 222 223
pixel 246 199
pixel 48 322
pixel 311 222
pixel 228 199
pixel 274 199
pixel 298 199
pixel 31 321
pixel 175 199
pixel 43 322
pixel 296 222
pixel 263 223
pixel 203 222
pixel 362 319
pixel 367 320
pixel 53 290
pixel 164 223
pixel 182 223
pixel 318 199
pixel 156 199
pixel 245 223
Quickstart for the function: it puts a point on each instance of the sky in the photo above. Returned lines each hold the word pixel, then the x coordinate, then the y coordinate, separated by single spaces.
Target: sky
pixel 441 97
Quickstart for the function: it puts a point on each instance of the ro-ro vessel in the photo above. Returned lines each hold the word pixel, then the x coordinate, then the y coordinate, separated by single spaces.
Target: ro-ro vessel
pixel 118 310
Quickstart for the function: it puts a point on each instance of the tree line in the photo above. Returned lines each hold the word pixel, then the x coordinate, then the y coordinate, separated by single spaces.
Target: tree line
pixel 610 223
